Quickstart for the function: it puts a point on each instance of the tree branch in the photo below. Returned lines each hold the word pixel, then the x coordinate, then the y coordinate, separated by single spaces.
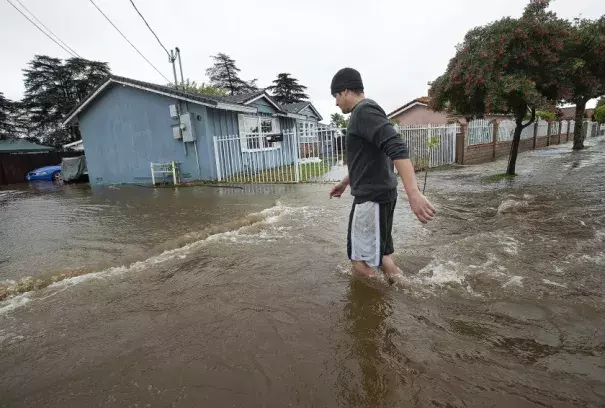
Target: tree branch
pixel 533 118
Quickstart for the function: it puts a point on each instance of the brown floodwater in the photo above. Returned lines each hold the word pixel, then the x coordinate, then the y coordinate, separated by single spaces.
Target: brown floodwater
pixel 227 297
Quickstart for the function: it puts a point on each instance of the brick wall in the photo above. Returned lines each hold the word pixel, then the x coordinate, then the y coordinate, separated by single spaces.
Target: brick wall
pixel 554 139
pixel 478 154
pixel 484 153
pixel 541 142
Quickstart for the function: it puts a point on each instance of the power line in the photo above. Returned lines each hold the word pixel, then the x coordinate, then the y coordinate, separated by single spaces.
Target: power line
pixel 127 40
pixel 150 29
pixel 41 30
pixel 47 29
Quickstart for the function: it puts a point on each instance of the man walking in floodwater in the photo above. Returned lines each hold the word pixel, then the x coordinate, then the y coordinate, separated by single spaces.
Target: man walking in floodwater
pixel 373 146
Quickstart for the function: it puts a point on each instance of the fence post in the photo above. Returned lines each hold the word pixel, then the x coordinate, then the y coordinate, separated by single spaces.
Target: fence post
pixel 494 139
pixel 535 134
pixel 217 160
pixel 461 143
pixel 548 129
pixel 296 153
pixel 560 125
pixel 174 173
pixel 568 128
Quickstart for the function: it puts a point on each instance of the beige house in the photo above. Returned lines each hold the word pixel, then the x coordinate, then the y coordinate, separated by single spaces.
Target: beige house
pixel 418 112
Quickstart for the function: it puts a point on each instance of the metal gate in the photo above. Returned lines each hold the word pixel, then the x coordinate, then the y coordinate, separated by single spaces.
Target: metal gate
pixel 290 157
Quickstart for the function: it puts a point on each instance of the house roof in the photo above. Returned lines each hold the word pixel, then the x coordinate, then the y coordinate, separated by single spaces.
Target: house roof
pixel 297 107
pixel 422 101
pixel 243 98
pixel 22 146
pixel 214 101
pixel 569 113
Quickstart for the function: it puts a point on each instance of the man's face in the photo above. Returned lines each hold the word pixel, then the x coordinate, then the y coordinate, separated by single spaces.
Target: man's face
pixel 342 101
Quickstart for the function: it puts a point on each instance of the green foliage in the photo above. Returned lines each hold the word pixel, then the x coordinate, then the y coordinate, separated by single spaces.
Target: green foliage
pixel 542 115
pixel 432 143
pixel 599 114
pixel 512 65
pixel 584 68
pixel 584 60
pixel 338 120
pixel 287 89
pixel 52 89
pixel 507 66
pixel 224 74
pixel 203 89
pixel 7 111
pixel 601 102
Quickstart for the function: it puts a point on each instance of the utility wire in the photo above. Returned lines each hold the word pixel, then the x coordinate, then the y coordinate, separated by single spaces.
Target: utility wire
pixel 150 29
pixel 48 29
pixel 41 30
pixel 127 40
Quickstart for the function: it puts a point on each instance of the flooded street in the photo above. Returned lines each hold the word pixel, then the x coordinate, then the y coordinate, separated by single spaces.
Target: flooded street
pixel 223 297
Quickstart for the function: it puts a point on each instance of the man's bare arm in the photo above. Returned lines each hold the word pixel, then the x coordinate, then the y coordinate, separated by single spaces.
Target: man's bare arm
pixel 421 207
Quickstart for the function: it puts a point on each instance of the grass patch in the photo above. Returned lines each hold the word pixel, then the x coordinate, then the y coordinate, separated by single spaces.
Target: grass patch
pixel 283 174
pixel 496 178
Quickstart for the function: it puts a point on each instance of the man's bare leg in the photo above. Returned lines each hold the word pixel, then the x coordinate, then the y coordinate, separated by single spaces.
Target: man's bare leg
pixel 390 270
pixel 363 269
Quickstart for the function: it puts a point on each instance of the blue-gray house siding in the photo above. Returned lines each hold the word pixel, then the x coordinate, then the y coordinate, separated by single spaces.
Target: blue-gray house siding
pixel 125 129
pixel 240 161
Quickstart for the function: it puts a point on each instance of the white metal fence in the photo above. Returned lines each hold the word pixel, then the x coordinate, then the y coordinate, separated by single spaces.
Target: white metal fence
pixel 480 131
pixel 317 155
pixel 288 157
pixel 433 144
pixel 554 128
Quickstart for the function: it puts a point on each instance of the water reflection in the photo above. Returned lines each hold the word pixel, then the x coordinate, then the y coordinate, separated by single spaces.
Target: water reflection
pixel 367 377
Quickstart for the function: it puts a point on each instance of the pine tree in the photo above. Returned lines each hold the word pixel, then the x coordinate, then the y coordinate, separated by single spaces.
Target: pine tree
pixel 224 74
pixel 52 89
pixel 7 110
pixel 287 89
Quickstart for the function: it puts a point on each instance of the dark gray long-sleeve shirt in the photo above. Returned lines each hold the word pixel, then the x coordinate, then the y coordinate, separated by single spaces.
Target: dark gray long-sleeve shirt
pixel 372 145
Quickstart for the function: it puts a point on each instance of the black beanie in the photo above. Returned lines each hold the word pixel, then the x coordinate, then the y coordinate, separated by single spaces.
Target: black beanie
pixel 346 78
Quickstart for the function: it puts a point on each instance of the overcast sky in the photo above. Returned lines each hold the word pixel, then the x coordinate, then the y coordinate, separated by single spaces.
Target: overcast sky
pixel 397 45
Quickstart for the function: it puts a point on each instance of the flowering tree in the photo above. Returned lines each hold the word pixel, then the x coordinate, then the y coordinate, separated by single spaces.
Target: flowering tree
pixel 584 62
pixel 508 66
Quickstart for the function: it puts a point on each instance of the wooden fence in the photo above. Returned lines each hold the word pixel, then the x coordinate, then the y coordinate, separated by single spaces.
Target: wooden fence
pixel 15 166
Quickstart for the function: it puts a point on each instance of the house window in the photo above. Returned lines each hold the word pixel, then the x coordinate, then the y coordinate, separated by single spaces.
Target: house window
pixel 254 130
pixel 307 129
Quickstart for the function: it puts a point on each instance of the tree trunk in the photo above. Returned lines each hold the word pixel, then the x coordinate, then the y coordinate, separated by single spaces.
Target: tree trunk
pixel 512 160
pixel 578 133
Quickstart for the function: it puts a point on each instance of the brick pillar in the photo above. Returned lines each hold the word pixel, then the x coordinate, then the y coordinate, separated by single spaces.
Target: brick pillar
pixel 461 144
pixel 560 127
pixel 535 134
pixel 568 126
pixel 548 133
pixel 494 139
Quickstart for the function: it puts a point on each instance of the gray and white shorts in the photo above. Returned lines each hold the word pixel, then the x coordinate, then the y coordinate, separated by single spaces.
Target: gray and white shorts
pixel 369 237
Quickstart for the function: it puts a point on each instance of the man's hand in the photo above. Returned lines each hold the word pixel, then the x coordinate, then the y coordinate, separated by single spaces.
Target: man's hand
pixel 423 209
pixel 338 189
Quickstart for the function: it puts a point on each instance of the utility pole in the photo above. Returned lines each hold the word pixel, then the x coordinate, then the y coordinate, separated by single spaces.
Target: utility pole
pixel 172 59
pixel 178 53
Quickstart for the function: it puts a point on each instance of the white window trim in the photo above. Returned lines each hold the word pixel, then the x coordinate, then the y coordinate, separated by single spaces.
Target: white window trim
pixel 314 132
pixel 244 136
